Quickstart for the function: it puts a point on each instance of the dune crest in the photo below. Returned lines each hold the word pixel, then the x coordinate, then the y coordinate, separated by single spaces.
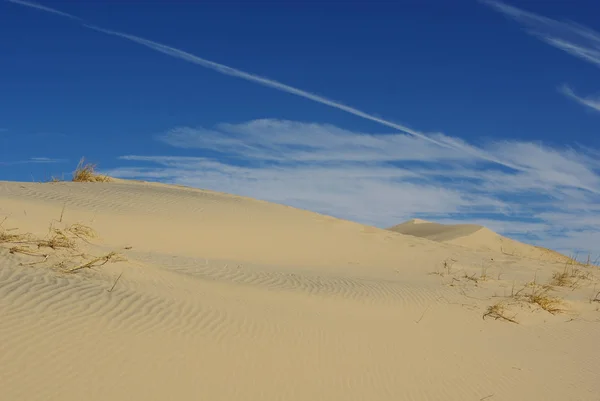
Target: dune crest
pixel 475 237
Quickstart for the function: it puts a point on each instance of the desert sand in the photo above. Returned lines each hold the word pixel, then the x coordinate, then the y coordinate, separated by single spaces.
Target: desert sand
pixel 141 291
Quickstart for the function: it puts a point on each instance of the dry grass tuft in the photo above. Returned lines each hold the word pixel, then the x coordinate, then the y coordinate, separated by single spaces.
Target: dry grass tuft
pixel 7 235
pixel 530 294
pixel 63 240
pixel 540 296
pixel 571 276
pixel 58 239
pixel 82 232
pixel 86 172
pixel 498 312
pixel 561 279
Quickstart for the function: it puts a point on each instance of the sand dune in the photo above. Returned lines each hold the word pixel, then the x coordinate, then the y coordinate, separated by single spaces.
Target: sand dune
pixel 220 297
pixel 475 237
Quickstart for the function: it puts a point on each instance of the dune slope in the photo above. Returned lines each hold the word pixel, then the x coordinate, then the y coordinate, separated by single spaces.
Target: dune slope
pixel 192 294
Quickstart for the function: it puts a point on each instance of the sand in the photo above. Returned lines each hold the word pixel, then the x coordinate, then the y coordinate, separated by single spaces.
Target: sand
pixel 220 297
pixel 476 237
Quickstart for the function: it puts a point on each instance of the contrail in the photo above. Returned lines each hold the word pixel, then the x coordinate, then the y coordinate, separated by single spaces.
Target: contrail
pixel 44 8
pixel 223 69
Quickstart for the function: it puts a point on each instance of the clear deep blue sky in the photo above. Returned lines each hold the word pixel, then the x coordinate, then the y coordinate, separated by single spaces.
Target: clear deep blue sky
pixel 461 68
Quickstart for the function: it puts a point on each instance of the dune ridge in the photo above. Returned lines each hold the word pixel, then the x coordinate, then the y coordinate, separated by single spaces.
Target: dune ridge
pixel 225 297
pixel 475 237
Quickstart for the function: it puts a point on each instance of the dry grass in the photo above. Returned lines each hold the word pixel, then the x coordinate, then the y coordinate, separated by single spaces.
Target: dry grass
pixel 531 293
pixel 484 273
pixel 82 232
pixel 57 239
pixel 8 237
pixel 86 172
pixel 64 240
pixel 99 261
pixel 473 277
pixel 571 276
pixel 25 251
pixel 498 312
pixel 573 259
pixel 540 296
pixel 447 268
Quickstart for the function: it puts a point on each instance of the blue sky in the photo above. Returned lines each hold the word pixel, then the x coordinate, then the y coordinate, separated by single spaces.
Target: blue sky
pixel 376 112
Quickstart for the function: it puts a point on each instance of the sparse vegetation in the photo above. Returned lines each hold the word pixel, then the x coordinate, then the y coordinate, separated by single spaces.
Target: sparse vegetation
pixel 24 251
pixel 99 261
pixel 82 232
pixel 8 237
pixel 86 172
pixel 62 245
pixel 447 268
pixel 531 293
pixel 472 278
pixel 571 275
pixel 57 239
pixel 573 259
pixel 540 296
pixel 484 272
pixel 56 179
pixel 498 312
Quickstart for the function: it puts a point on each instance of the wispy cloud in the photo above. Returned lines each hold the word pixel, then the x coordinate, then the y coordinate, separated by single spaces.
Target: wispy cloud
pixel 43 8
pixel 34 160
pixel 46 160
pixel 589 101
pixel 385 178
pixel 570 37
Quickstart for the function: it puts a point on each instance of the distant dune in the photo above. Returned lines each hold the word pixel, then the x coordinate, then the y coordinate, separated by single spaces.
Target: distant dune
pixel 127 290
pixel 475 237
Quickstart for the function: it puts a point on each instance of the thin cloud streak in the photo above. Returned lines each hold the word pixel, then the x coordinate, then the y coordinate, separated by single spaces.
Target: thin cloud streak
pixel 593 103
pixel 574 39
pixel 43 8
pixel 570 37
pixel 34 160
pixel 223 69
